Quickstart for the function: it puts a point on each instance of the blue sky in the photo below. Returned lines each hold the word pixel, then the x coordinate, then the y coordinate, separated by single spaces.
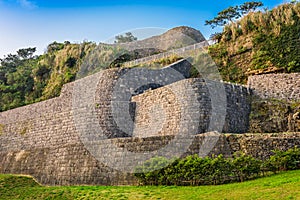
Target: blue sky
pixel 36 23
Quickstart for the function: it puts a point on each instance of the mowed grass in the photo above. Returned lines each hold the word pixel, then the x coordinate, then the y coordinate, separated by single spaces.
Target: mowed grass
pixel 281 186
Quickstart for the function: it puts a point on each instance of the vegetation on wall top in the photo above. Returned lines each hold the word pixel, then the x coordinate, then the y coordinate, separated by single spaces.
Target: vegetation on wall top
pixel 259 42
pixel 26 79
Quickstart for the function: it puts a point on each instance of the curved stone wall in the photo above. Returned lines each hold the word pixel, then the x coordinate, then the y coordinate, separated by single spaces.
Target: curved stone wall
pixel 160 111
pixel 47 139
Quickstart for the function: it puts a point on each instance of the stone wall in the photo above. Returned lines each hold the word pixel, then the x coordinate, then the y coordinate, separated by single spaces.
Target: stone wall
pixel 42 140
pixel 261 145
pixel 113 93
pixel 47 139
pixel 278 86
pixel 63 141
pixel 72 164
pixel 276 106
pixel 161 111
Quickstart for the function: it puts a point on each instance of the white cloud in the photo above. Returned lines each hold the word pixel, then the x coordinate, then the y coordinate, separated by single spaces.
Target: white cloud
pixel 27 4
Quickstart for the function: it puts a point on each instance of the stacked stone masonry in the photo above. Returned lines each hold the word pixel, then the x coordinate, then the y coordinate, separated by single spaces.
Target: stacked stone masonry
pixel 48 139
pixel 278 86
pixel 161 111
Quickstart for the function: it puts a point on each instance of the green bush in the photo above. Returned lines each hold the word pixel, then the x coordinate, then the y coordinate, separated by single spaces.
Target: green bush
pixel 246 167
pixel 151 172
pixel 284 160
pixel 193 170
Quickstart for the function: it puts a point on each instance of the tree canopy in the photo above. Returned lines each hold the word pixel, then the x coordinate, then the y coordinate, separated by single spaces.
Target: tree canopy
pixel 16 78
pixel 26 53
pixel 251 6
pixel 232 13
pixel 128 37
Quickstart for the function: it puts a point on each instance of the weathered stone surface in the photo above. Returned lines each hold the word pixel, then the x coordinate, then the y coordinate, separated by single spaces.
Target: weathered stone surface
pixel 161 111
pixel 261 145
pixel 278 86
pixel 72 164
pixel 48 139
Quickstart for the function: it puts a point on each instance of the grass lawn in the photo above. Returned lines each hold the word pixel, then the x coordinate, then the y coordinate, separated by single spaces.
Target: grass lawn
pixel 281 186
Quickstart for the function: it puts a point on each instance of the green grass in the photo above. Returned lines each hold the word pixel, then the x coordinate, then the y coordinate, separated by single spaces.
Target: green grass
pixel 281 186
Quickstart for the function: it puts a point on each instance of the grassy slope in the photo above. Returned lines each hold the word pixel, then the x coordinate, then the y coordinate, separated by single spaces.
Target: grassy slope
pixel 282 186
pixel 259 42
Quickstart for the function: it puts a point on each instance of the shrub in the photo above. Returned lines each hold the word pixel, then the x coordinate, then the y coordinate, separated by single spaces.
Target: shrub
pixel 151 171
pixel 193 170
pixel 246 167
pixel 284 160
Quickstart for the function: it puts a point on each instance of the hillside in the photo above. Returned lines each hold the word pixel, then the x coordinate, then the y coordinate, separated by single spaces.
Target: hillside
pixel 260 42
pixel 26 79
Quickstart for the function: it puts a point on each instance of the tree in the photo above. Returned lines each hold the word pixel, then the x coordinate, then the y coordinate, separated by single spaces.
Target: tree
pixel 224 17
pixel 249 6
pixel 128 37
pixel 26 53
pixel 16 78
pixel 229 15
pixel 54 46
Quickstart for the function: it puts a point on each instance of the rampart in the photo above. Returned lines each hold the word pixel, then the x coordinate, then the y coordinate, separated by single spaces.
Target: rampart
pixel 161 111
pixel 48 139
